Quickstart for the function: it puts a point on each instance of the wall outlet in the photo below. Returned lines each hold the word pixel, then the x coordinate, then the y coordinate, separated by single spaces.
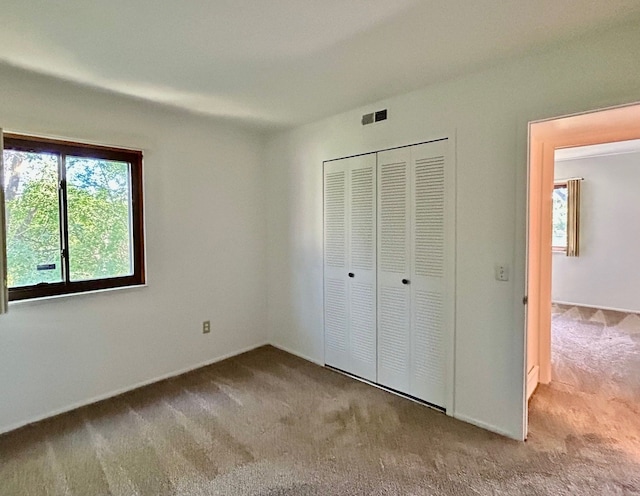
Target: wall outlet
pixel 502 272
pixel 206 327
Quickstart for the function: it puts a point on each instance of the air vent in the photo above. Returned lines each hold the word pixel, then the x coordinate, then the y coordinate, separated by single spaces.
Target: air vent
pixel 367 119
pixel 381 115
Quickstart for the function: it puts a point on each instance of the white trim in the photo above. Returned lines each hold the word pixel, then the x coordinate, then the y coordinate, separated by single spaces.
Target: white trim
pixel 298 354
pixel 521 259
pixel 486 426
pixel 570 113
pixel 596 307
pixel 51 298
pixel 118 392
pixel 451 282
pixel 533 379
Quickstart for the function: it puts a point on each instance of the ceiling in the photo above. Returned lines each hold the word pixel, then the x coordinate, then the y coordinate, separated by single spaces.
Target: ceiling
pixel 279 63
pixel 599 150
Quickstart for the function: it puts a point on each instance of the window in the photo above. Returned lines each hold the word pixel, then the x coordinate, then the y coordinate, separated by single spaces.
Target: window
pixel 560 206
pixel 566 217
pixel 73 217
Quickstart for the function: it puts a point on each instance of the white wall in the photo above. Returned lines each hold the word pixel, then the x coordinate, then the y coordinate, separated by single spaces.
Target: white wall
pixel 605 275
pixel 205 242
pixel 489 112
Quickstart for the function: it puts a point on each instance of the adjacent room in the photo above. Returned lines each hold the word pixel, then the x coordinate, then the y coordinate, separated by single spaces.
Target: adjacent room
pixel 595 330
pixel 286 249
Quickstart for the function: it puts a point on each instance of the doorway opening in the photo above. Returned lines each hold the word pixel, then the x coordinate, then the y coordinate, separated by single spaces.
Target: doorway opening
pixel 583 320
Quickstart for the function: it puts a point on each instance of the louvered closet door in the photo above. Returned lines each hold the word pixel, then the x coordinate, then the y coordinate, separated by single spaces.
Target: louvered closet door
pixel 336 300
pixel 430 267
pixel 362 266
pixel 394 303
pixel 350 265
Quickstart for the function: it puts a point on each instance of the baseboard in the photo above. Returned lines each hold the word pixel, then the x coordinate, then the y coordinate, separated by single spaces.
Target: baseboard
pixel 596 307
pixel 176 373
pixel 118 392
pixel 533 379
pixel 486 426
pixel 297 353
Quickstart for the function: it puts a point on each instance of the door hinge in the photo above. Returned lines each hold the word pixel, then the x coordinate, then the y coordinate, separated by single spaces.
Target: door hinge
pixel 525 300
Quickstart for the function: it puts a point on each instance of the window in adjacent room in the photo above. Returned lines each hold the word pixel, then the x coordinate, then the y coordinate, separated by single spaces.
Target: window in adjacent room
pixel 566 217
pixel 73 215
pixel 560 208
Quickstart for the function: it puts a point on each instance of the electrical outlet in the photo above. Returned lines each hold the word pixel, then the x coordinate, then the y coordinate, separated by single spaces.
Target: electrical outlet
pixel 502 272
pixel 206 327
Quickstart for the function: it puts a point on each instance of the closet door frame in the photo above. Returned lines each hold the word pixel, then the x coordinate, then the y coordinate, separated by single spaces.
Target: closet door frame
pixel 450 267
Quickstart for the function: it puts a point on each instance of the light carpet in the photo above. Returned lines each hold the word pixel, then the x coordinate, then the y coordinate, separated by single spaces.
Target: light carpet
pixel 597 352
pixel 266 423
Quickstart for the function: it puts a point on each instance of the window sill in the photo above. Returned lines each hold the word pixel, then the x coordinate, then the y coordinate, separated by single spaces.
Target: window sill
pixel 49 299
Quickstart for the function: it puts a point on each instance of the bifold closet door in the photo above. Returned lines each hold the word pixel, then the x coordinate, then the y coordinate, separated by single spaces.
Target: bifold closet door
pixel 394 302
pixel 350 265
pixel 431 268
pixel 413 219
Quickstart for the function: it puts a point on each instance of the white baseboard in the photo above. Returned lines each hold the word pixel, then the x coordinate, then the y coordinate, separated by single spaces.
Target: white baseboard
pixel 127 389
pixel 487 427
pixel 176 373
pixel 533 379
pixel 596 307
pixel 298 354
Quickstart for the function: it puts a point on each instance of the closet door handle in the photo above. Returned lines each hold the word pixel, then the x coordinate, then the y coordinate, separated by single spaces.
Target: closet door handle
pixel 351 274
pixel 405 281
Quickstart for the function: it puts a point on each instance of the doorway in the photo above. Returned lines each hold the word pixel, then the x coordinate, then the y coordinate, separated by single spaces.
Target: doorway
pixel 547 139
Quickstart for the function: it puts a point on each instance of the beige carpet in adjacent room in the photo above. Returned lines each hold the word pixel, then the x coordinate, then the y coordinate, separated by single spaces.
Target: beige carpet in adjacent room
pixel 596 352
pixel 266 424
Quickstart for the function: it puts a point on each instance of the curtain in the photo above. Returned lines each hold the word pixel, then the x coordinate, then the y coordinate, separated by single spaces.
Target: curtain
pixel 4 291
pixel 573 217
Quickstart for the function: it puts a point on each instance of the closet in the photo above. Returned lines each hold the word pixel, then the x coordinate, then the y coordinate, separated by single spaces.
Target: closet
pixel 388 265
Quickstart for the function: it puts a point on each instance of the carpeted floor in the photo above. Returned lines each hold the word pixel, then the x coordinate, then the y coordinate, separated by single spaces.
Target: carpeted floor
pixel 266 424
pixel 596 352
